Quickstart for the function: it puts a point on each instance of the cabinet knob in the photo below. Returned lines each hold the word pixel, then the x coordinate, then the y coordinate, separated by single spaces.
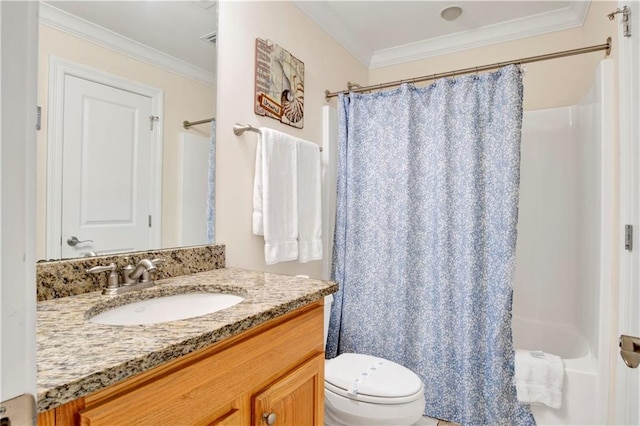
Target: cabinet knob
pixel 270 418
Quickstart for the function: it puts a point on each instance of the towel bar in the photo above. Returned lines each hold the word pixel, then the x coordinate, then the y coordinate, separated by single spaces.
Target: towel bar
pixel 239 129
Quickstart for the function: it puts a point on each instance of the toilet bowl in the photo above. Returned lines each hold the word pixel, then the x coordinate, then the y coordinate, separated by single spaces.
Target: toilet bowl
pixel 366 390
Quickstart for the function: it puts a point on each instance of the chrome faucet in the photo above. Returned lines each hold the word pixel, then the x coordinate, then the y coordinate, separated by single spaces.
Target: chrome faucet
pixel 141 272
pixel 132 278
pixel 145 265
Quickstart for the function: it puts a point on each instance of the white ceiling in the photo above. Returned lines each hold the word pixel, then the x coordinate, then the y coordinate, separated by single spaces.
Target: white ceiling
pixel 381 33
pixel 378 33
pixel 172 27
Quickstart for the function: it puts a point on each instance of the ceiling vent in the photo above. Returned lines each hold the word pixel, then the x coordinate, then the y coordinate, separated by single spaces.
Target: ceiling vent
pixel 211 37
pixel 206 4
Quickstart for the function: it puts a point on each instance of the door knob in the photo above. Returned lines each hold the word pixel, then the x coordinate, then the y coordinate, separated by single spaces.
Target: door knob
pixel 270 418
pixel 630 350
pixel 73 241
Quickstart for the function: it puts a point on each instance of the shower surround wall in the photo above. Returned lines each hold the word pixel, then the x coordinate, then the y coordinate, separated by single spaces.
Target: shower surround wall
pixel 563 275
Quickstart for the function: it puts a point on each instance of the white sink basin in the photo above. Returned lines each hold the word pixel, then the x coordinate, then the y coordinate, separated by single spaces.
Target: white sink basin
pixel 167 308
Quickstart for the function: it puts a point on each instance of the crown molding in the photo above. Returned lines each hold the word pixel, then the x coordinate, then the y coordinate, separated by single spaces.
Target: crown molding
pixel 580 9
pixel 322 14
pixel 63 21
pixel 569 17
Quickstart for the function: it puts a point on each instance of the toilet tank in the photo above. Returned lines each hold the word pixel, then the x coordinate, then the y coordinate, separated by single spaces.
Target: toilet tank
pixel 328 301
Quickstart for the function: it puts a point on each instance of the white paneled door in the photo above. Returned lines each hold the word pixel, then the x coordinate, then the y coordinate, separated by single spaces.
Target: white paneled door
pixel 106 164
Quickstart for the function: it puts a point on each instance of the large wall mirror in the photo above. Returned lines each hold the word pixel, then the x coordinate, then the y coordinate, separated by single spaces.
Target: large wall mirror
pixel 117 169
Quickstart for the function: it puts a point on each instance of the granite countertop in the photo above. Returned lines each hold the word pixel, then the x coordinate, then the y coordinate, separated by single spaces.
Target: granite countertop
pixel 76 357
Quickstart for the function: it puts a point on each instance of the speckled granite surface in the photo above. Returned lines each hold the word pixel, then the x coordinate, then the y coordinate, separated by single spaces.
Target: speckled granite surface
pixel 76 357
pixel 62 278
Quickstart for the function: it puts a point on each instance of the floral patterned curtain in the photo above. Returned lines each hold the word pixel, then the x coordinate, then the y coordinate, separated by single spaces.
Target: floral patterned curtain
pixel 425 239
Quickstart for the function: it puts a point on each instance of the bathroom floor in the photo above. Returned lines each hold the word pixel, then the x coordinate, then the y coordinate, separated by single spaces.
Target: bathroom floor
pixel 428 421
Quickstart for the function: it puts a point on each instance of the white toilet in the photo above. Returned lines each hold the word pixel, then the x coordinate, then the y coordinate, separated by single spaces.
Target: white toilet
pixel 367 390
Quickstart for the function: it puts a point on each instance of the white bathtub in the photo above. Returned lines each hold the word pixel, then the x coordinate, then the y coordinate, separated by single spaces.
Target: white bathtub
pixel 580 380
pixel 562 283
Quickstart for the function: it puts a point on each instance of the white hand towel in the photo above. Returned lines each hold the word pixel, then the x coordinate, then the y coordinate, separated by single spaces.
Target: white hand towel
pixel 309 202
pixel 276 195
pixel 539 377
pixel 258 221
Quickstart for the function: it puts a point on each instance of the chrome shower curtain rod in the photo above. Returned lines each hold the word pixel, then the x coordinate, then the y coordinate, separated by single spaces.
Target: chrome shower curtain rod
pixel 187 124
pixel 521 61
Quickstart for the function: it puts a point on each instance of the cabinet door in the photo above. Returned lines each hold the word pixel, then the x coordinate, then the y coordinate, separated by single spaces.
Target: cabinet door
pixel 296 399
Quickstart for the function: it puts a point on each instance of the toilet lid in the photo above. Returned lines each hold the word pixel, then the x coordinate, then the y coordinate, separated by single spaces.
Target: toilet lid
pixel 367 375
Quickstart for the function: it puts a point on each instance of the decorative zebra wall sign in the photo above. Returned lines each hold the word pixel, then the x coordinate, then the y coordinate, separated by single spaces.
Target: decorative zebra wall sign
pixel 279 84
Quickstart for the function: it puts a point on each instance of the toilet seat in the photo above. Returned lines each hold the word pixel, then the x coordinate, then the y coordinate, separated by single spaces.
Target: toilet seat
pixel 371 379
pixel 374 399
pixel 385 394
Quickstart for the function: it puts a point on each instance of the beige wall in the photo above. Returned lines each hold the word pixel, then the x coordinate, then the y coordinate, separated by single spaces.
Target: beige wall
pixel 547 84
pixel 327 66
pixel 184 99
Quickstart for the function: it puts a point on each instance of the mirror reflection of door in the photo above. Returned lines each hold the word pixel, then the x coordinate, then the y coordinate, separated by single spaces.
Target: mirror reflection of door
pixel 168 46
pixel 104 163
pixel 105 169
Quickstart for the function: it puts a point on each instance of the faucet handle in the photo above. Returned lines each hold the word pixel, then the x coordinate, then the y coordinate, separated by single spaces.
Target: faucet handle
pixel 158 261
pixel 98 269
pixel 112 280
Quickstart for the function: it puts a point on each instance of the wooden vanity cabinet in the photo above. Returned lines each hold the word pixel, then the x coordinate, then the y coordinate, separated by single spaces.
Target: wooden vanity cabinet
pixel 270 374
pixel 291 400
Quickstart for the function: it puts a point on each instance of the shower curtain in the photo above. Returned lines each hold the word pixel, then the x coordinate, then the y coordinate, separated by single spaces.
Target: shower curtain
pixel 211 188
pixel 425 238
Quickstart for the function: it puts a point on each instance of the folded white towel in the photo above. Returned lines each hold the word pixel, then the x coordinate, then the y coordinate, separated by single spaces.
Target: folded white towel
pixel 539 377
pixel 309 202
pixel 275 198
